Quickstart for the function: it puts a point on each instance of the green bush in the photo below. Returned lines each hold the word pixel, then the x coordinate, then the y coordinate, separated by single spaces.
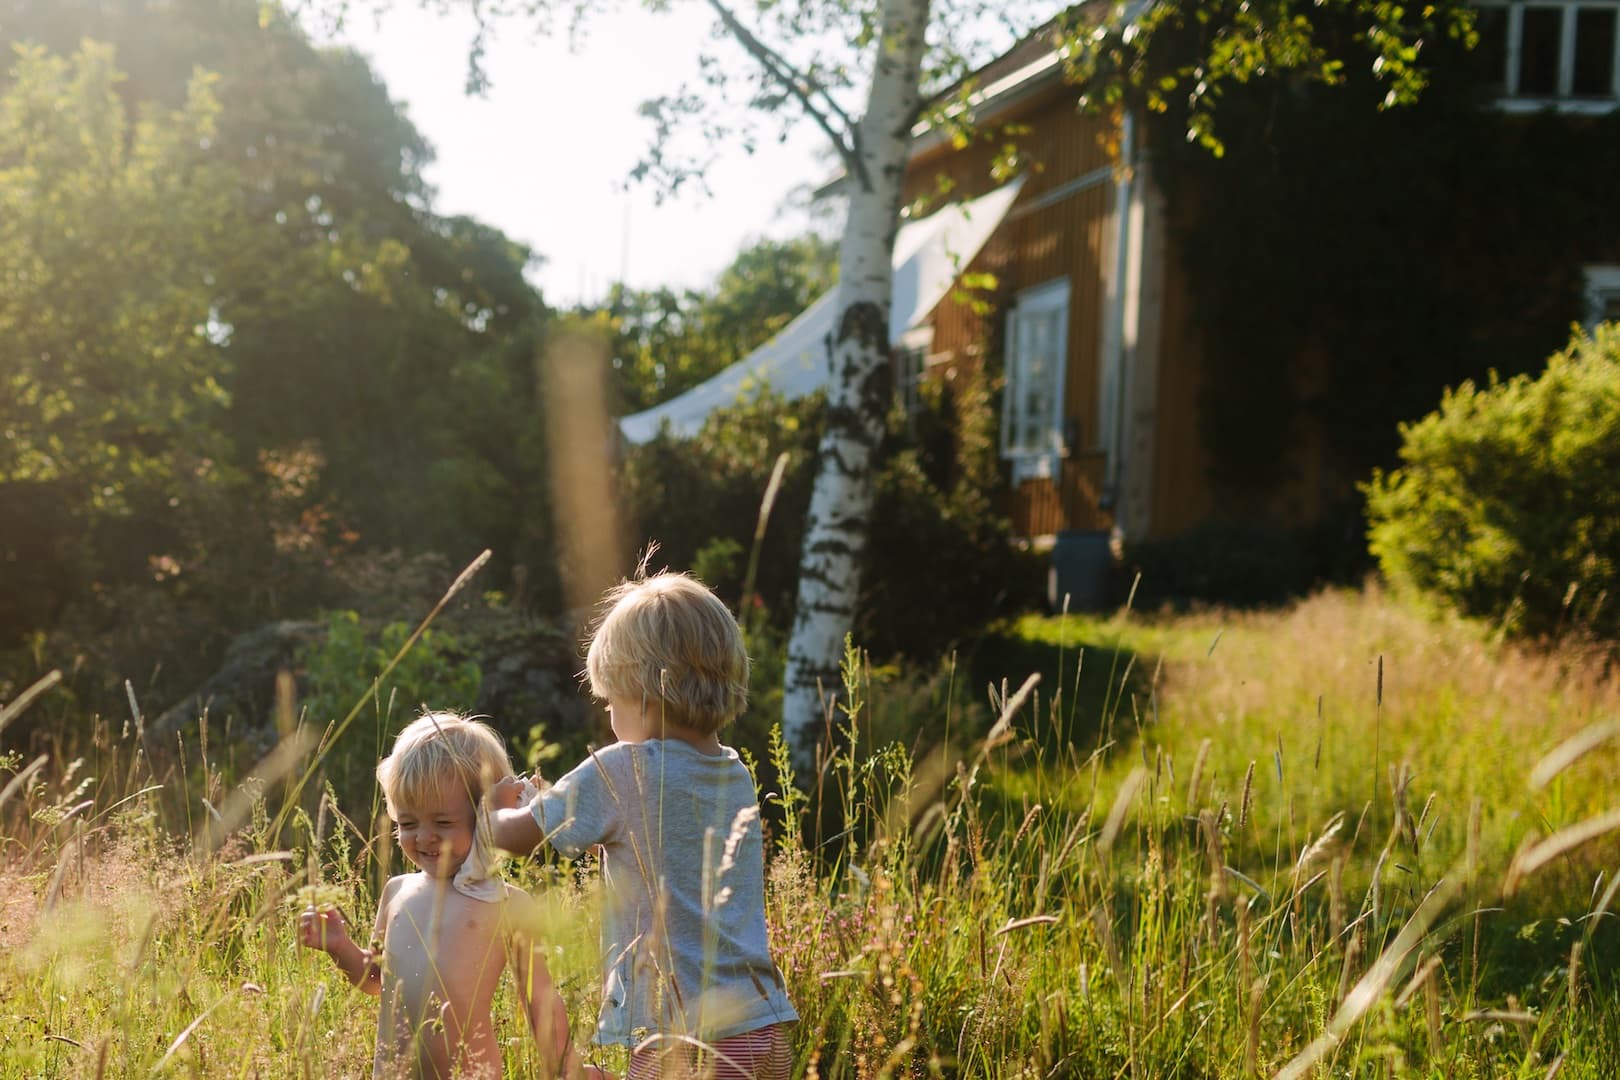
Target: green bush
pixel 940 560
pixel 1506 505
pixel 436 673
pixel 940 564
pixel 699 498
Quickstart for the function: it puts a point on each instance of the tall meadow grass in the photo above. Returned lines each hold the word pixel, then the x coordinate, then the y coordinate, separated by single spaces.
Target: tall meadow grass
pixel 1341 840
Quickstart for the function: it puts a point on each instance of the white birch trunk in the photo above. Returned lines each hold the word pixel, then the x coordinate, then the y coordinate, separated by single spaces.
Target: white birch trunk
pixel 857 399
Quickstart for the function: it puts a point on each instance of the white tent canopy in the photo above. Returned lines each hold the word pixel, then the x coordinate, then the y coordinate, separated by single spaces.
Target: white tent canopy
pixel 929 254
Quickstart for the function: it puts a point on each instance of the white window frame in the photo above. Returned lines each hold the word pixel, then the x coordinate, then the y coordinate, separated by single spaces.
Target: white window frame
pixel 1043 460
pixel 1563 100
pixel 911 361
pixel 1602 291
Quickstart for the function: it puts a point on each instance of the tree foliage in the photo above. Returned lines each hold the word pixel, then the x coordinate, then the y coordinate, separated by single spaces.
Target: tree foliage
pixel 113 382
pixel 1182 58
pixel 669 340
pixel 238 343
pixel 939 566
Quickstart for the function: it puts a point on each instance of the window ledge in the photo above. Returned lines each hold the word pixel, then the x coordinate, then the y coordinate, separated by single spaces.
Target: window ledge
pixel 1520 106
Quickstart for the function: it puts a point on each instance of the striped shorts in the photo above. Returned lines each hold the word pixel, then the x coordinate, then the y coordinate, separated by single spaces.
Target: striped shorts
pixel 762 1054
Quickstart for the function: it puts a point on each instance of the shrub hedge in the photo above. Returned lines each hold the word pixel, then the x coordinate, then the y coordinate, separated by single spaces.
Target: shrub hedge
pixel 1507 501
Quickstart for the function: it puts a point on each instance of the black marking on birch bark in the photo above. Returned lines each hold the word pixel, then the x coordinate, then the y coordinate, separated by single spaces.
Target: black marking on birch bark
pixel 857 423
pixel 820 608
pixel 862 421
pixel 832 545
pixel 875 392
pixel 823 576
pixel 809 677
pixel 864 322
pixel 857 473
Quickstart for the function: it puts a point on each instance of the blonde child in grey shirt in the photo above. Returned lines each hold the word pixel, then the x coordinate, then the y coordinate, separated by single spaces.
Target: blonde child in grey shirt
pixel 688 980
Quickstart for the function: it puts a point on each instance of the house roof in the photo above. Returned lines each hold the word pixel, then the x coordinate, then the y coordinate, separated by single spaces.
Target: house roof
pixel 1030 66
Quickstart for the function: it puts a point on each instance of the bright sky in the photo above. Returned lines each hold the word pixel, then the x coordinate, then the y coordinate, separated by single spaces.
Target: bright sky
pixel 545 154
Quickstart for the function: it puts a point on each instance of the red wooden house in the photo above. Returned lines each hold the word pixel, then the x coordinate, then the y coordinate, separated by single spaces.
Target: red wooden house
pixel 1101 347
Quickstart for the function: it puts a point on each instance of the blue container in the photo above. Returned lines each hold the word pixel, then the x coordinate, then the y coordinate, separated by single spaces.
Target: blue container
pixel 1080 562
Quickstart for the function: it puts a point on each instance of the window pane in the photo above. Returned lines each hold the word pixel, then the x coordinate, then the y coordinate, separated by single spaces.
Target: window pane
pixel 1594 52
pixel 1611 308
pixel 1538 52
pixel 1489 58
pixel 1033 373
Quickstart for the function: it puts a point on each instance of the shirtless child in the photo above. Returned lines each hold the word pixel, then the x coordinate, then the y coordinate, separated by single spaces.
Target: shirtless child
pixel 448 931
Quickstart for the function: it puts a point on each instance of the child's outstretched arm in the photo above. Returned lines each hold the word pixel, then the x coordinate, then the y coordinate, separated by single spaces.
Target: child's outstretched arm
pixel 329 931
pixel 542 1004
pixel 511 824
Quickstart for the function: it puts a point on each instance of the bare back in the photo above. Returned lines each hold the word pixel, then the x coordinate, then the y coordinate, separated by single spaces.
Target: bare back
pixel 443 954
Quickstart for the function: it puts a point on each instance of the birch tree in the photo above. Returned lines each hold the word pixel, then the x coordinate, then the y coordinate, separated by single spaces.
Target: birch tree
pixel 875 153
pixel 869 129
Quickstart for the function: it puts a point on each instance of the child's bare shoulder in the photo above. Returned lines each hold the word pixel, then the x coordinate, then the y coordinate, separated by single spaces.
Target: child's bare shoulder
pixel 397 888
pixel 396 884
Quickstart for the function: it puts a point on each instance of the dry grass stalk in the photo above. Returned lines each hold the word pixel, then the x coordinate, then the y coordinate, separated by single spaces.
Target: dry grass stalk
pixel 1195 781
pixel 1209 825
pixel 1476 810
pixel 1360 1000
pixel 1403 828
pixel 28 697
pixel 1575 975
pixel 1001 731
pixel 1246 803
pixel 1322 846
pixel 1122 807
pixel 1033 920
pixel 1419 979
pixel 23 776
pixel 1245 957
pixel 1347 970
pixel 1251 1040
pixel 1533 856
pixel 1103 920
pixel 1572 750
pixel 1522 1021
pixel 1431 1017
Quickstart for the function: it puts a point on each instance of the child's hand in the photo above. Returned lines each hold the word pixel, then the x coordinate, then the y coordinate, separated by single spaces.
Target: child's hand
pixel 511 792
pixel 322 929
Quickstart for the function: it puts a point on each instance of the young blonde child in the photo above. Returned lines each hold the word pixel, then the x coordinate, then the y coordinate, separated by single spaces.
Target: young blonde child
pixel 688 980
pixel 445 933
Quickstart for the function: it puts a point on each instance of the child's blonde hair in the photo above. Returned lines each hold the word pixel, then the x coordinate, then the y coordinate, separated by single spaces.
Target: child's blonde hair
pixel 668 642
pixel 439 748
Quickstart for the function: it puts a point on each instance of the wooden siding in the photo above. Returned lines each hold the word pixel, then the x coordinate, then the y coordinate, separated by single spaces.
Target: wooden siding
pixel 1181 491
pixel 1073 237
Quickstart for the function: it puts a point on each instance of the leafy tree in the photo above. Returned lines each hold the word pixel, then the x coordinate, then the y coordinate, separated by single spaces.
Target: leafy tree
pixel 669 341
pixel 238 342
pixel 113 375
